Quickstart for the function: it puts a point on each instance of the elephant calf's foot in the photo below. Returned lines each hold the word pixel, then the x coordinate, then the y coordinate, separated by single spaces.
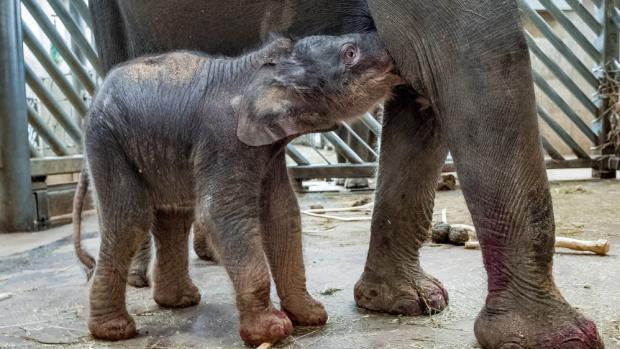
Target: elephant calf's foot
pixel 270 326
pixel 206 252
pixel 112 328
pixel 138 279
pixel 173 296
pixel 548 325
pixel 304 311
pixel 425 295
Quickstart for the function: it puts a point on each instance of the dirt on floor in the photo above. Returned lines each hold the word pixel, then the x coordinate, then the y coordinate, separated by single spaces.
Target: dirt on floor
pixel 43 292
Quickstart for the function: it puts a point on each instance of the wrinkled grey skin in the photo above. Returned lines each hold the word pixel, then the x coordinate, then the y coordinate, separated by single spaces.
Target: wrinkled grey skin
pixel 470 59
pixel 179 137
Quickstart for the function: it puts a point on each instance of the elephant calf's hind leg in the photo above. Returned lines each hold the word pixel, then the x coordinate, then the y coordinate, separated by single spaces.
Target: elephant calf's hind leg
pixel 125 218
pixel 138 272
pixel 172 286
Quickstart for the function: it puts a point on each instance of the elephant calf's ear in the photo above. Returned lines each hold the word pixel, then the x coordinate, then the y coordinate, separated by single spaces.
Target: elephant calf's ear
pixel 266 118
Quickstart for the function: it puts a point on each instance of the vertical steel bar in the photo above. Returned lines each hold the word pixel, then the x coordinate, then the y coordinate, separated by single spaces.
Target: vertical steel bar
pixel 611 53
pixel 16 199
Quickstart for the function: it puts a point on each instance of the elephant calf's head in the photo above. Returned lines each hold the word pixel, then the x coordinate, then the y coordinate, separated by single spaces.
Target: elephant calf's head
pixel 323 80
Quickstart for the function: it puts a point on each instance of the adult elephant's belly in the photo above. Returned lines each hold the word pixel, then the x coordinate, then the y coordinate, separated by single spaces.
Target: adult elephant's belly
pixel 230 28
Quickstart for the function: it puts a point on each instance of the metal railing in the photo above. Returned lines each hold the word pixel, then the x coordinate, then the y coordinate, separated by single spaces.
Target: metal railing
pixel 574 50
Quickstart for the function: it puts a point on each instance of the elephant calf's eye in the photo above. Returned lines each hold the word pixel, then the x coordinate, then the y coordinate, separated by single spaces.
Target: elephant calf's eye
pixel 349 54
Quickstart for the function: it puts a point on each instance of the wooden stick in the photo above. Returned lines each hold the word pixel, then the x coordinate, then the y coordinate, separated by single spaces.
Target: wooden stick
pixel 337 218
pixel 367 207
pixel 265 346
pixel 600 247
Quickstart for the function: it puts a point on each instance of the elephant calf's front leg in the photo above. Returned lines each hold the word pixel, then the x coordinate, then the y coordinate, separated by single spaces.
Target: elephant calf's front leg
pixel 237 230
pixel 281 227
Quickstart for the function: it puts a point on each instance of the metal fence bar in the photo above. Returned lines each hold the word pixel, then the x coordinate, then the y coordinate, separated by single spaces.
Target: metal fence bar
pixel 34 152
pixel 359 139
pixel 611 53
pixel 60 45
pixel 365 170
pixel 84 12
pixel 52 105
pixel 585 15
pixel 559 45
pixel 561 103
pixel 342 147
pixel 568 25
pixel 45 133
pixel 550 149
pixel 76 35
pixel 296 155
pixel 615 17
pixel 61 81
pixel 561 75
pixel 564 136
pixel 16 200
pixel 372 124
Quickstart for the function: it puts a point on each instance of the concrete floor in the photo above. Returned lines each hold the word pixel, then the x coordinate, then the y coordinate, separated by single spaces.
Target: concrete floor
pixel 43 293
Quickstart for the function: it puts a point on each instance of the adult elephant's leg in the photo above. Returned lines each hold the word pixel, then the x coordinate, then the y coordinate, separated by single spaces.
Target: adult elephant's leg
pixel 472 59
pixel 413 150
pixel 281 229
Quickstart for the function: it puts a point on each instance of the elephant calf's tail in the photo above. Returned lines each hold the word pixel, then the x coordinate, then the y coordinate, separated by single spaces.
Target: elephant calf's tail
pixel 78 206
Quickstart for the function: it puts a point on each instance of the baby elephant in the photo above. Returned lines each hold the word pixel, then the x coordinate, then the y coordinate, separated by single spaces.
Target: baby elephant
pixel 183 136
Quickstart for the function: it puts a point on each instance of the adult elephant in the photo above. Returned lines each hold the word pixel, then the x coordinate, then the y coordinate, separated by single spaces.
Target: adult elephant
pixel 470 59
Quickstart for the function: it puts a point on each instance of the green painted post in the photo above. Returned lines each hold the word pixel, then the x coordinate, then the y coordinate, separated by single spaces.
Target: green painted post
pixel 16 199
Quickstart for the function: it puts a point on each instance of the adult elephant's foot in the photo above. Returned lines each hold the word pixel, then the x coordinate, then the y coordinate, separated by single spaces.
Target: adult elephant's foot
pixel 304 310
pixel 112 327
pixel 417 295
pixel 177 296
pixel 550 324
pixel 270 326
